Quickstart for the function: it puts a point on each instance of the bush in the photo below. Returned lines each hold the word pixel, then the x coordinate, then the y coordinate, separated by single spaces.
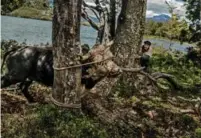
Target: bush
pixel 49 121
pixel 10 5
pixel 176 63
pixel 28 12
pixel 198 133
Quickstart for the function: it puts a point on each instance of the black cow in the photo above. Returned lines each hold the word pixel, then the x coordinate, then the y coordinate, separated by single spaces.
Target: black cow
pixel 27 64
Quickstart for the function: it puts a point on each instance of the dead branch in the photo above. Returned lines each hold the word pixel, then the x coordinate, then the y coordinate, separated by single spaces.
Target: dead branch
pixel 97 16
pixel 149 76
pixel 103 13
pixel 86 17
pixel 131 69
pixel 188 111
pixel 158 75
pixel 169 78
pixel 91 6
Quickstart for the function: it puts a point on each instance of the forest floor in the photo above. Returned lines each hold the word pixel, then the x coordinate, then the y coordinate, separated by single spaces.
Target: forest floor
pixel 166 114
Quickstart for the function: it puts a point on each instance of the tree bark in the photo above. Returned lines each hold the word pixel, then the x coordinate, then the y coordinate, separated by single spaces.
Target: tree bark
pixel 66 47
pixel 127 44
pixel 112 19
pixel 130 32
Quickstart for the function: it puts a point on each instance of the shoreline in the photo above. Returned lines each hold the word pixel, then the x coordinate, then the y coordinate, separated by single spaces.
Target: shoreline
pixel 40 19
pixel 9 15
pixel 166 39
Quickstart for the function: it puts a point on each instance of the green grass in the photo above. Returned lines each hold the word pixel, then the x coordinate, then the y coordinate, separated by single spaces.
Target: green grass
pixel 46 121
pixel 33 13
pixel 198 133
pixel 176 63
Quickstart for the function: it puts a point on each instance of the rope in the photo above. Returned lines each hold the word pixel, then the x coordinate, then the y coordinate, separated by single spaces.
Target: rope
pixel 76 106
pixel 80 65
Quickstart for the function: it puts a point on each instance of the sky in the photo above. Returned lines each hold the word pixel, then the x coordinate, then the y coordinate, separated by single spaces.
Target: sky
pixel 157 7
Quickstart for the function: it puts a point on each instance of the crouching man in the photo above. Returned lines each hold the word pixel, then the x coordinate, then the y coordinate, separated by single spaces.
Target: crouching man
pixel 146 53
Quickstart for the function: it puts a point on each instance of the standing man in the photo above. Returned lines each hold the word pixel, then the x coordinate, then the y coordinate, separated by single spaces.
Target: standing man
pixel 146 53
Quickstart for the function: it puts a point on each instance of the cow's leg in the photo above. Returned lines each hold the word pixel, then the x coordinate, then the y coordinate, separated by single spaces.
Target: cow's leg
pixel 24 87
pixel 5 81
pixel 13 76
pixel 8 80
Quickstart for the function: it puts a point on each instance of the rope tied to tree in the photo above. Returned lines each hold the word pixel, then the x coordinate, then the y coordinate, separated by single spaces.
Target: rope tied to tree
pixel 54 101
pixel 80 65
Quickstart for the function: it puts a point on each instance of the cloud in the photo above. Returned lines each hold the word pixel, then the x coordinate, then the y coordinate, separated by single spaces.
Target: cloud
pixel 157 7
pixel 160 7
pixel 150 13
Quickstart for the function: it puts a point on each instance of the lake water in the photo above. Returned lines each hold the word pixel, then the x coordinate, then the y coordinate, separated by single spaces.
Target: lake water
pixel 37 31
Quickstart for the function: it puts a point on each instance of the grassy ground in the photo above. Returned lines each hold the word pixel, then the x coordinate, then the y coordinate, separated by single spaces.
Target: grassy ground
pixel 21 120
pixel 33 13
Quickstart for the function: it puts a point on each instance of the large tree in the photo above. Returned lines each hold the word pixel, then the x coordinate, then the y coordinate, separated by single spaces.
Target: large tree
pixel 66 47
pixel 128 38
pixel 126 46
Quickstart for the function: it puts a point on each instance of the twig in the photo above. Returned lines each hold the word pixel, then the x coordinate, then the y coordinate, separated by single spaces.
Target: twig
pixel 188 111
pixel 132 69
pixel 149 76
pixel 86 17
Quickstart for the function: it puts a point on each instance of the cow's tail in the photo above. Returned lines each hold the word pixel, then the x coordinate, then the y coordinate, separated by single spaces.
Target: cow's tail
pixel 5 56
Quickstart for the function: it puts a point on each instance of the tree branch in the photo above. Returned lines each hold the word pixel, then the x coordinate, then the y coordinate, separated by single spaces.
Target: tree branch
pixel 86 17
pixel 132 69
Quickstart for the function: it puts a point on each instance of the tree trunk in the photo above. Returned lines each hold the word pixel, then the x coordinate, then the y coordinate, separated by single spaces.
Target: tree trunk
pixel 112 19
pixel 200 11
pixel 130 32
pixel 66 47
pixel 127 44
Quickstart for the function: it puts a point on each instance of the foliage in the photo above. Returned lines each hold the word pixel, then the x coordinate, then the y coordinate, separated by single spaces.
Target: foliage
pixel 193 10
pixel 28 12
pixel 198 133
pixel 10 5
pixel 38 4
pixel 49 121
pixel 177 64
pixel 172 29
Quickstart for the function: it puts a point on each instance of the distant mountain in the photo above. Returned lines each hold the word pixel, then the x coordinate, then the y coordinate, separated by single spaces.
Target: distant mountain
pixel 160 18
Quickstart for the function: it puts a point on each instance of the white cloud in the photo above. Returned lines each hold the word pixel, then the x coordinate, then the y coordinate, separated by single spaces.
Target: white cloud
pixel 160 7
pixel 151 13
pixel 157 7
